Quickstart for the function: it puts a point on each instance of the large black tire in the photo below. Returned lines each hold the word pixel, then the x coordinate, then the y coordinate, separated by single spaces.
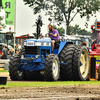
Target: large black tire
pixel 51 68
pixel 99 73
pixel 33 75
pixel 66 56
pixel 81 64
pixel 22 51
pixel 13 69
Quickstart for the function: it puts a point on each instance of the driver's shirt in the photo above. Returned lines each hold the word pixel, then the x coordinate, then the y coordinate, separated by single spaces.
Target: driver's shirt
pixel 54 32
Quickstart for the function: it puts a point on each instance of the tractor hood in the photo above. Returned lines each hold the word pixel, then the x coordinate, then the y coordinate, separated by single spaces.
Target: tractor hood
pixel 38 42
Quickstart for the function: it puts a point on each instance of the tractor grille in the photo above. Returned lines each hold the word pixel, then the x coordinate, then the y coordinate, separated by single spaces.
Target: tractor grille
pixel 32 50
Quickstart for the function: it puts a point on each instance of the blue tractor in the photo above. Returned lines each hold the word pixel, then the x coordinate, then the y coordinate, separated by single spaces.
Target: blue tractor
pixel 36 62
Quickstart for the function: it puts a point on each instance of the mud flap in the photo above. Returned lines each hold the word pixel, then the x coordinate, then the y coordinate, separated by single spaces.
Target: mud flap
pixel 93 67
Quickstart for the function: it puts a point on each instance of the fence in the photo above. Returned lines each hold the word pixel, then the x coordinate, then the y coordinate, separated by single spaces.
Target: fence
pixel 4 64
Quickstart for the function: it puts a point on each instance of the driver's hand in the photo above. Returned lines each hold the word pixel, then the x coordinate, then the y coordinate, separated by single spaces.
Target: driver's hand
pixel 50 33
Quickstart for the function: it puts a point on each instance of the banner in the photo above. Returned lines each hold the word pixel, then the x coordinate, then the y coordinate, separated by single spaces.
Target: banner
pixel 9 7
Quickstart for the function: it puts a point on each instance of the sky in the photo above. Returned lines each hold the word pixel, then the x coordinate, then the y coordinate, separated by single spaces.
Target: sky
pixel 25 19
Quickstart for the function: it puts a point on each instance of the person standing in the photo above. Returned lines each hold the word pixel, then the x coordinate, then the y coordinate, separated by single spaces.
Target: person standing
pixel 17 49
pixel 11 52
pixel 4 52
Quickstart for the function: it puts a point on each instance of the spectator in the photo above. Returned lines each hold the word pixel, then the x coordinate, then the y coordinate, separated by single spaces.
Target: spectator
pixel 17 49
pixel 84 43
pixel 4 52
pixel 11 52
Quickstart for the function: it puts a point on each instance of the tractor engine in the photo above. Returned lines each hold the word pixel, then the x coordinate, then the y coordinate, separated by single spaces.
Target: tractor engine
pixel 37 47
pixel 36 51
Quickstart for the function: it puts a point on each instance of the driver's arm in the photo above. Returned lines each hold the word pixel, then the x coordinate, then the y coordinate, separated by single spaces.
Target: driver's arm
pixel 54 35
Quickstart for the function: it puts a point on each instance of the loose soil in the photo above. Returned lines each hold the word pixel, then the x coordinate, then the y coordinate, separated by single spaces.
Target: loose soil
pixel 75 92
pixel 79 92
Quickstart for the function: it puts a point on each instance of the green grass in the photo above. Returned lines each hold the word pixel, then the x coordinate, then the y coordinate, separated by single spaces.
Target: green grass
pixel 3 70
pixel 49 84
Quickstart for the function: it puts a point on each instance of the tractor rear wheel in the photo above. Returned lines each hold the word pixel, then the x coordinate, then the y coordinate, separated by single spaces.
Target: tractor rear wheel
pixel 66 56
pixel 51 68
pixel 14 73
pixel 81 64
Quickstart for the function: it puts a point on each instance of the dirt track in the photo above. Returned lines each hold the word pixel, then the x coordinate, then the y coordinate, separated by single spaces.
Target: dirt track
pixel 55 93
pixel 79 92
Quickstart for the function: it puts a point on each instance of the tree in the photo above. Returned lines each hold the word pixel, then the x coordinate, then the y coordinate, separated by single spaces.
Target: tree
pixel 65 9
pixel 77 30
pixel 73 29
pixel 1 18
pixel 0 3
pixel 61 30
pixel 1 24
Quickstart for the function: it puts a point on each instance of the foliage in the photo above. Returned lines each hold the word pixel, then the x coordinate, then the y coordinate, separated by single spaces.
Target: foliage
pixel 0 3
pixel 1 18
pixel 72 29
pixel 60 30
pixel 65 9
pixel 77 30
pixel 1 24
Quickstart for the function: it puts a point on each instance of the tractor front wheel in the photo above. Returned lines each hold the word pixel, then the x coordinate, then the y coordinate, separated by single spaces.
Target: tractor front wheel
pixel 14 73
pixel 51 68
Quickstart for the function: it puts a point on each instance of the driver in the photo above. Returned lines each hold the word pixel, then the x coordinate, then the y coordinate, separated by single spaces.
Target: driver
pixel 54 35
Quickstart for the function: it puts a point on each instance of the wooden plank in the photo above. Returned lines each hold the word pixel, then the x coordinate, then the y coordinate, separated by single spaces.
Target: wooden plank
pixel 1 68
pixel 2 65
pixel 4 61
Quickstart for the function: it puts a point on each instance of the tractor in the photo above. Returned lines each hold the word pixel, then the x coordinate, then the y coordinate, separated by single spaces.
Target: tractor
pixel 78 39
pixel 95 54
pixel 85 38
pixel 35 60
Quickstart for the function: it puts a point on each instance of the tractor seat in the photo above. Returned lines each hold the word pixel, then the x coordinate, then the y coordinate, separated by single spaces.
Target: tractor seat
pixel 56 46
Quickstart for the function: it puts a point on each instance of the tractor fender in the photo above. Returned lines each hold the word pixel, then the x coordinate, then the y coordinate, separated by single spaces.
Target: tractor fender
pixel 62 44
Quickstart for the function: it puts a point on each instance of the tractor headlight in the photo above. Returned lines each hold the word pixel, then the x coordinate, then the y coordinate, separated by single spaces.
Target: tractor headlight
pixel 42 44
pixel 37 43
pixel 22 56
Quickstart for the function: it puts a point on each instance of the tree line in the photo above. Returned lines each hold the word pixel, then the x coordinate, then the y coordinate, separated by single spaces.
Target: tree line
pixel 64 10
pixel 72 30
pixel 2 25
